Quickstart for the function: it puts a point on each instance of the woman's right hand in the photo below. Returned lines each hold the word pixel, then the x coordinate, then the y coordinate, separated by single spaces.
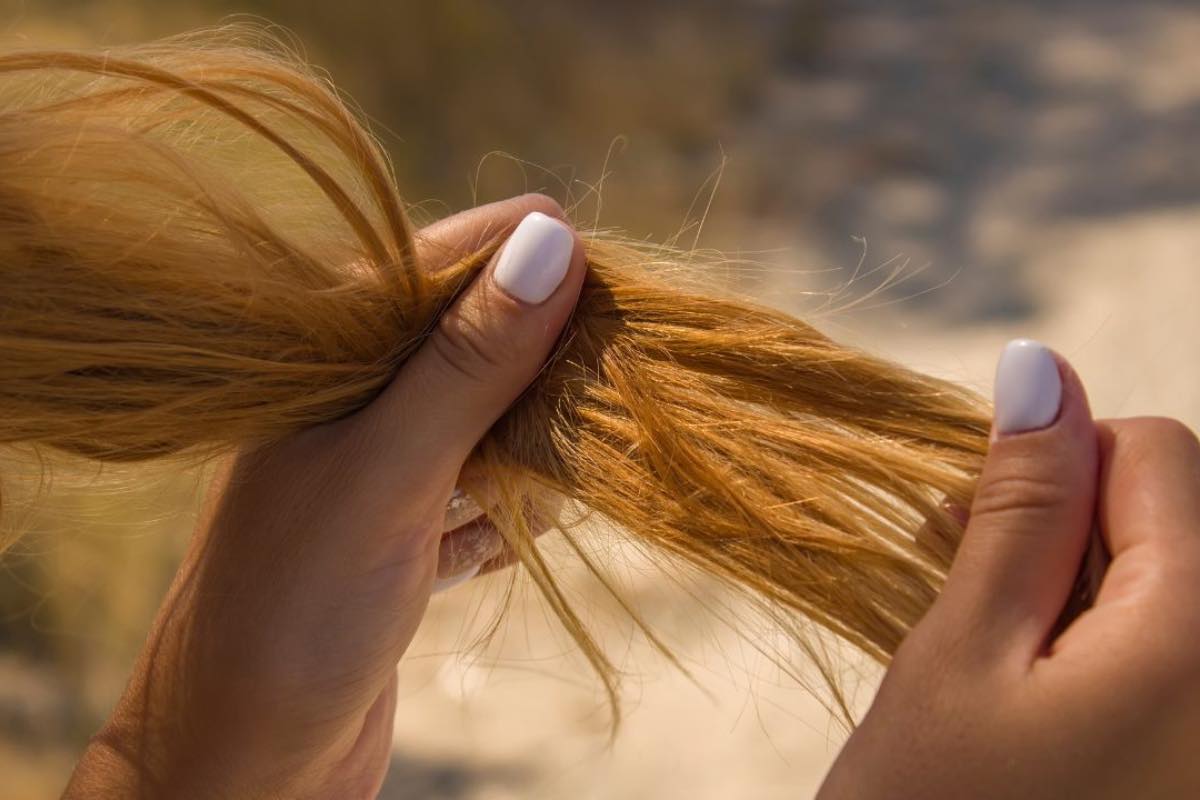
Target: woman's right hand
pixel 985 699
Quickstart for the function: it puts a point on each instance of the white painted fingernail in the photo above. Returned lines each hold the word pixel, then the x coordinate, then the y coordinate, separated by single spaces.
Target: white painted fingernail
pixel 1028 387
pixel 535 258
pixel 443 584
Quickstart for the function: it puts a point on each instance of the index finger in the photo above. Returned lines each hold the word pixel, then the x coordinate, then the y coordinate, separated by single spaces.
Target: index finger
pixel 1149 484
pixel 449 240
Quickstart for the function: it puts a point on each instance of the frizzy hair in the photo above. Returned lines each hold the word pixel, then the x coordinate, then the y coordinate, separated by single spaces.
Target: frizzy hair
pixel 202 248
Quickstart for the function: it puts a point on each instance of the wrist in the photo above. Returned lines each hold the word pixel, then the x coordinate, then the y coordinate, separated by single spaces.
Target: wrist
pixel 125 759
pixel 104 770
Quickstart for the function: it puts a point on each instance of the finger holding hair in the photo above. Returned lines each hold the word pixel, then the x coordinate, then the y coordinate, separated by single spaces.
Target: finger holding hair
pixel 1033 510
pixel 483 353
pixel 314 561
pixel 1149 512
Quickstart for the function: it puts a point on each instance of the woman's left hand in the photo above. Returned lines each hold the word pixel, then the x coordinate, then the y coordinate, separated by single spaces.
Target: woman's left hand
pixel 271 668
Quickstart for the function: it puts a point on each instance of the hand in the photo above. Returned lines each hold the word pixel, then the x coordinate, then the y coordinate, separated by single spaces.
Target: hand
pixel 271 669
pixel 983 699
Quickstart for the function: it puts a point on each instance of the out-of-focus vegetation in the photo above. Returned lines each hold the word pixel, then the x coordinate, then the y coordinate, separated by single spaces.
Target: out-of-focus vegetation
pixel 459 87
pixel 1032 161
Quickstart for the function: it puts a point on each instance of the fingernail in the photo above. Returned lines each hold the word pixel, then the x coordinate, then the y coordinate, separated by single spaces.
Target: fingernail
pixel 535 258
pixel 443 584
pixel 460 510
pixel 1028 387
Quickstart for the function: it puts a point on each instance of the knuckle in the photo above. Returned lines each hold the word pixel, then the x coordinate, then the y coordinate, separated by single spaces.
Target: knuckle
pixel 1146 440
pixel 1157 432
pixel 1018 493
pixel 464 345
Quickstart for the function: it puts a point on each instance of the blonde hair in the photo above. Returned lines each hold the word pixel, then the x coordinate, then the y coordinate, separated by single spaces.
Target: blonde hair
pixel 203 248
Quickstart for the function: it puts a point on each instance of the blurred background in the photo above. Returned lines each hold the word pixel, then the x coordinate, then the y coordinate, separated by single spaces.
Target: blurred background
pixel 925 179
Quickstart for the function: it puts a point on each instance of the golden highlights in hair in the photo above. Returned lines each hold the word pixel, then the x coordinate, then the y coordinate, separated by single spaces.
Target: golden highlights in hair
pixel 202 248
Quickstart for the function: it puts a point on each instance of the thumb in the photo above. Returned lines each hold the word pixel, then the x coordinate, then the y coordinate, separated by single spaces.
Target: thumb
pixel 1034 507
pixel 485 349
